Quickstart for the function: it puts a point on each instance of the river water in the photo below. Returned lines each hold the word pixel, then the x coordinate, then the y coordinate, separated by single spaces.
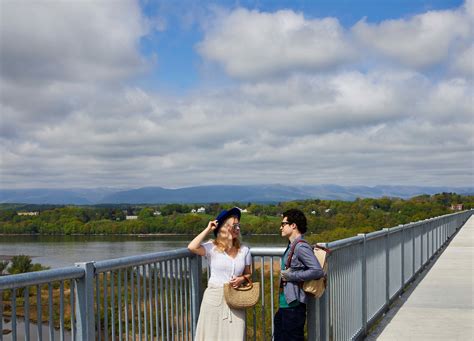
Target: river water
pixel 60 251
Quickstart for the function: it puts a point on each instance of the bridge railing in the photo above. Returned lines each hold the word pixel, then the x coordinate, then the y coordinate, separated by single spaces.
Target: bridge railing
pixel 158 295
pixel 369 271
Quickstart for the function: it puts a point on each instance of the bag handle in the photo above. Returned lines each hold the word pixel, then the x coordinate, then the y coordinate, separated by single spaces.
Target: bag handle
pixel 245 287
pixel 292 250
pixel 328 251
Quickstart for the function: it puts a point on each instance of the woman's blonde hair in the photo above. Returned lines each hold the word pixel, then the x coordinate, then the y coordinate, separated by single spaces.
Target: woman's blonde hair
pixel 221 246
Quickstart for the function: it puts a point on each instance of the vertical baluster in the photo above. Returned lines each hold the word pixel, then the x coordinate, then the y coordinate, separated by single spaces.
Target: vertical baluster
pixel 271 293
pixel 166 273
pixel 112 303
pixel 51 318
pixel 139 303
pixel 150 300
pixel 172 290
pixel 132 308
pixel 119 303
pixel 180 279
pixel 26 296
pixel 155 279
pixel 106 307
pixel 145 314
pixel 162 306
pixel 186 287
pixel 71 305
pixel 125 298
pixel 14 314
pixel 254 310
pixel 97 304
pixel 61 310
pixel 39 313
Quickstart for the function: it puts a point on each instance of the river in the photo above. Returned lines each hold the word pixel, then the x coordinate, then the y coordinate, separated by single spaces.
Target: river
pixel 60 251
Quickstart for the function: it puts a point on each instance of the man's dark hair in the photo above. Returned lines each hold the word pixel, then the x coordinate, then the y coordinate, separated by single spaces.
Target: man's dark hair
pixel 297 217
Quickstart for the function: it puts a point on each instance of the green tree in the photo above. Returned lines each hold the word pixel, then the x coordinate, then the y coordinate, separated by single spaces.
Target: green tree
pixel 3 266
pixel 20 264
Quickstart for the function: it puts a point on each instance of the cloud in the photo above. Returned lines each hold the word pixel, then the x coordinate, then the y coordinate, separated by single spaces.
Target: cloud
pixel 463 64
pixel 347 128
pixel 61 41
pixel 418 42
pixel 302 106
pixel 252 44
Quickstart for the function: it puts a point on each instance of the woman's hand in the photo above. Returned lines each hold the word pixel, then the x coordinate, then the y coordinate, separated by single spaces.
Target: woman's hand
pixel 235 282
pixel 212 225
pixel 195 245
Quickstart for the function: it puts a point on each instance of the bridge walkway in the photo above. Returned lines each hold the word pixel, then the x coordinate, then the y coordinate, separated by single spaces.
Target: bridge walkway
pixel 441 307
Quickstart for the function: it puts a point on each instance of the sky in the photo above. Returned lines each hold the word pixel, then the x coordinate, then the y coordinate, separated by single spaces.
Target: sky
pixel 128 94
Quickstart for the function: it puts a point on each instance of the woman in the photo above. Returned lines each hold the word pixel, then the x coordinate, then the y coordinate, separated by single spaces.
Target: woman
pixel 229 262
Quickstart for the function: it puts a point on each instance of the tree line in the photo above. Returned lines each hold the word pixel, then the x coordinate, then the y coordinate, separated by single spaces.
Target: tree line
pixel 327 219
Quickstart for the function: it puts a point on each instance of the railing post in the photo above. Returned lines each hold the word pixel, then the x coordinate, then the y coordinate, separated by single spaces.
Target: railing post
pixel 196 274
pixel 318 313
pixel 324 314
pixel 85 302
pixel 387 267
pixel 364 283
pixel 313 318
pixel 403 258
pixel 422 228
pixel 413 237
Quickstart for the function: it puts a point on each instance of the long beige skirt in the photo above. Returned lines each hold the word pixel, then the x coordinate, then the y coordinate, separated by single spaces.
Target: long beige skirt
pixel 218 322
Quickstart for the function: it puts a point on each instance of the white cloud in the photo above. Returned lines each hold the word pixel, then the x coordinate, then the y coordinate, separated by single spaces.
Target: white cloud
pixel 463 64
pixel 371 129
pixel 251 44
pixel 386 122
pixel 70 41
pixel 420 41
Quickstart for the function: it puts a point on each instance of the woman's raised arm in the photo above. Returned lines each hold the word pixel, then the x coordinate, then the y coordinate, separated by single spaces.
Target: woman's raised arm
pixel 195 245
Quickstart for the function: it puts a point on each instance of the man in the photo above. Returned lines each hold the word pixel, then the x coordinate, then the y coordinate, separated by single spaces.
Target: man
pixel 303 266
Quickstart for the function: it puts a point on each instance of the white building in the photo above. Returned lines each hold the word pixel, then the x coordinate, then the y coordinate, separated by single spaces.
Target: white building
pixel 131 217
pixel 28 213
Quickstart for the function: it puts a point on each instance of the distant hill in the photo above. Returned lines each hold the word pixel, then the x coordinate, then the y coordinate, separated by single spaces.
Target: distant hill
pixel 216 193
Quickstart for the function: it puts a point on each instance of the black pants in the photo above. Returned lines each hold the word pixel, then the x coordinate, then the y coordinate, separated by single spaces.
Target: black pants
pixel 289 323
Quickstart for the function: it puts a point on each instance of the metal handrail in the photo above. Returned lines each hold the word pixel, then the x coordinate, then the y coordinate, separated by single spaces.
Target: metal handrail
pixel 39 277
pixel 130 261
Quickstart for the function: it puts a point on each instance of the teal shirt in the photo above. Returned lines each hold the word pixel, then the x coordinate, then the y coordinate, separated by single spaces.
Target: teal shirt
pixel 282 298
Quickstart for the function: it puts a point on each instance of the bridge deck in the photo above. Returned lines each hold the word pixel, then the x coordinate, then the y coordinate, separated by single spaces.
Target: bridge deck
pixel 441 307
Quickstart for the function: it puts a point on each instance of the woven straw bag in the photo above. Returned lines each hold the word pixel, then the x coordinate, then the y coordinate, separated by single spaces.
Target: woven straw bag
pixel 245 296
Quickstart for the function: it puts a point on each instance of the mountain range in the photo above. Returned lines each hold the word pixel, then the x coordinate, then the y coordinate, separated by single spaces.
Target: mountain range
pixel 215 193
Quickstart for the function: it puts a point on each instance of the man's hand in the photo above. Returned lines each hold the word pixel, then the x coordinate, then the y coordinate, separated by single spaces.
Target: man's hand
pixel 285 275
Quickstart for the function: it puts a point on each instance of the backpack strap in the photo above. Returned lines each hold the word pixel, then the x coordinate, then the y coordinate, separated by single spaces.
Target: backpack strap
pixel 316 246
pixel 292 251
